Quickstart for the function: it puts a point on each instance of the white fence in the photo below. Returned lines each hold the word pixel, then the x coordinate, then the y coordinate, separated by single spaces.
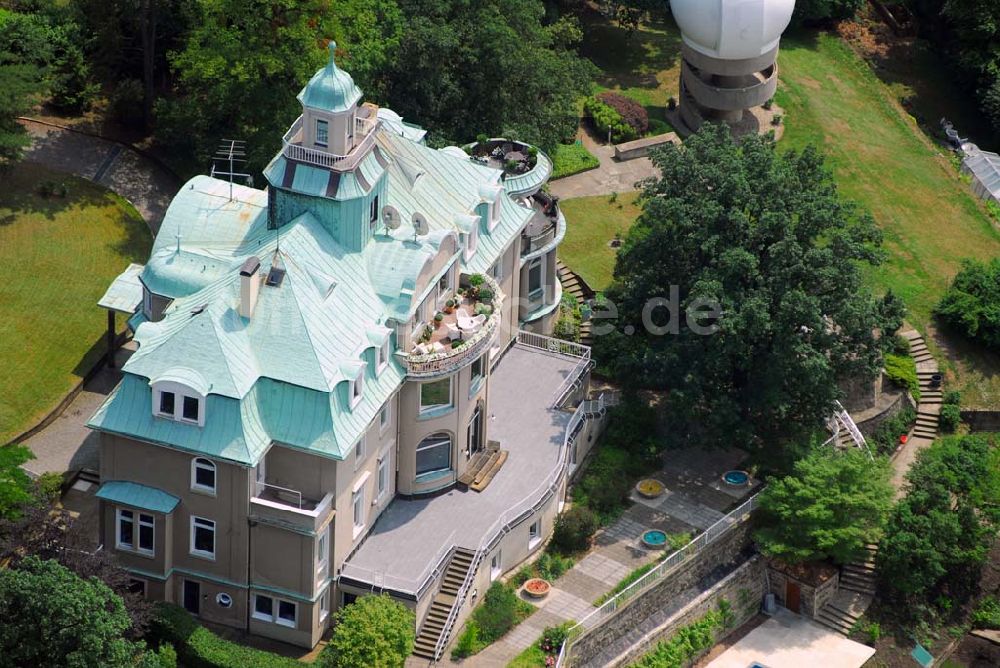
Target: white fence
pixel 664 568
pixel 569 348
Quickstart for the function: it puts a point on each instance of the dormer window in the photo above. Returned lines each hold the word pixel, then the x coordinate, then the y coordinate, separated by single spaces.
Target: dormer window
pixel 192 409
pixel 322 132
pixel 470 241
pixel 357 388
pixel 383 356
pixel 167 402
pixel 180 395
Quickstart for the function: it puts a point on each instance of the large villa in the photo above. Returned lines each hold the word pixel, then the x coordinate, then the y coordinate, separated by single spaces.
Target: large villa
pixel 343 384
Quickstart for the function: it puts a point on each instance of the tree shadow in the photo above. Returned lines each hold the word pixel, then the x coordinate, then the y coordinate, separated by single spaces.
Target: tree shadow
pixel 630 60
pixel 30 188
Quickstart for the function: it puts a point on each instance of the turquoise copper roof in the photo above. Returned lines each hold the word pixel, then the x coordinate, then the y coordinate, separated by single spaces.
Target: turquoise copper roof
pixel 330 89
pixel 125 294
pixel 138 496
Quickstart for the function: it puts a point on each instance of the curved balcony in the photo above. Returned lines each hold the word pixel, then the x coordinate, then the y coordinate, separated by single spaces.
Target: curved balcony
pixel 364 136
pixel 725 98
pixel 452 346
pixel 522 181
pixel 545 230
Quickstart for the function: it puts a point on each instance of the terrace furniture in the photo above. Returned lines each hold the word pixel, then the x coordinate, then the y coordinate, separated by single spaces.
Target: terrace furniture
pixel 454 333
pixel 470 324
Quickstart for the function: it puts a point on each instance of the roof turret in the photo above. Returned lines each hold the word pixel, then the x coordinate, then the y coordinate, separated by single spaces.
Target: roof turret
pixel 330 89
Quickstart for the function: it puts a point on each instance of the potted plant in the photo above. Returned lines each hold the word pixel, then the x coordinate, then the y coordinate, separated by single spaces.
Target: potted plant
pixel 426 335
pixel 438 319
pixel 486 295
pixel 537 588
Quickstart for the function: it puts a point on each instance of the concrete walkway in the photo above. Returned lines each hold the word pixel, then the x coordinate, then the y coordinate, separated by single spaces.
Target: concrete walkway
pixel 611 177
pixel 696 499
pixel 142 181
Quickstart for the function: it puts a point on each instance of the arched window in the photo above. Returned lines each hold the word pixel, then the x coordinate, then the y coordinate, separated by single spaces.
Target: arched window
pixel 203 475
pixel 434 454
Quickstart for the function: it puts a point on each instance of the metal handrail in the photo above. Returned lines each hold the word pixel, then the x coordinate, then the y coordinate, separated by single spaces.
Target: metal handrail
pixel 665 567
pixel 365 127
pixel 414 586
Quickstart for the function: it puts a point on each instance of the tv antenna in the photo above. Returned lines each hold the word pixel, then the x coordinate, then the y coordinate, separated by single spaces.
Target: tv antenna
pixel 231 152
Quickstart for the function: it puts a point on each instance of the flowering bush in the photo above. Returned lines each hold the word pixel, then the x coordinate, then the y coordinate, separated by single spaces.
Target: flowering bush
pixel 631 111
pixel 608 121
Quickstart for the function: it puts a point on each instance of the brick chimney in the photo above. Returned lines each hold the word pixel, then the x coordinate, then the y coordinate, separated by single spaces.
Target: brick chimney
pixel 249 286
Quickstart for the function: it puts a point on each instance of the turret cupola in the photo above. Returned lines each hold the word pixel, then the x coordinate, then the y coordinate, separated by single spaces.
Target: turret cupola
pixel 330 109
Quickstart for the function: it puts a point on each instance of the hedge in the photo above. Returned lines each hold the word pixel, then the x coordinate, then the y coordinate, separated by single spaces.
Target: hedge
pixel 607 120
pixel 631 111
pixel 902 370
pixel 197 647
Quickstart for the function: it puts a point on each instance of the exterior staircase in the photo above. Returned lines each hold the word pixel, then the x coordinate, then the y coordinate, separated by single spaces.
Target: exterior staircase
pixel 581 292
pixel 855 594
pixel 430 631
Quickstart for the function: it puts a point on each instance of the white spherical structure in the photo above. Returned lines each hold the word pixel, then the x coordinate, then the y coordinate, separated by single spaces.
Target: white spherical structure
pixel 732 29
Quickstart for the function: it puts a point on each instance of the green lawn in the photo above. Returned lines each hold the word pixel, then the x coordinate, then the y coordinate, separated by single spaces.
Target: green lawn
pixel 569 159
pixel 59 256
pixel 881 159
pixel 593 223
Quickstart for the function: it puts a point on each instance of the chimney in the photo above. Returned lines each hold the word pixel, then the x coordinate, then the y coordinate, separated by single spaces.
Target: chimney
pixel 249 286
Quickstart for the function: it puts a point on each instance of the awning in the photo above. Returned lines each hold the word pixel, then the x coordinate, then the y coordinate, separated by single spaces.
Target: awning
pixel 138 496
pixel 125 293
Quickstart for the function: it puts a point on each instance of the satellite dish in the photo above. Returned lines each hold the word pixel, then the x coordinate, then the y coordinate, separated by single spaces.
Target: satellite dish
pixel 420 227
pixel 391 218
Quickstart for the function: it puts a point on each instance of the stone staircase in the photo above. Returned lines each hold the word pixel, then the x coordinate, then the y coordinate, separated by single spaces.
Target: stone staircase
pixel 433 625
pixel 581 292
pixel 854 595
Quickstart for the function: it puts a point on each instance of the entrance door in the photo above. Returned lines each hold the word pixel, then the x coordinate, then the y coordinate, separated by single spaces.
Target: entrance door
pixel 476 431
pixel 192 597
pixel 793 596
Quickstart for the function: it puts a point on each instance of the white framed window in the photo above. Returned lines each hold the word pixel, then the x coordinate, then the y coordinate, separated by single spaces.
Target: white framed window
pixel 434 454
pixel 263 608
pixel 359 453
pixel 476 371
pixel 358 388
pixel 358 502
pixel 496 566
pixel 322 553
pixel 435 395
pixel 385 416
pixel 167 403
pixel 536 278
pixel 178 402
pixel 137 586
pixel 373 215
pixel 203 475
pixel 444 285
pixel 288 613
pixel 324 605
pixel 135 531
pixel 471 241
pixel 534 534
pixel 191 409
pixel 322 132
pixel 382 479
pixel 202 537
pixel 382 356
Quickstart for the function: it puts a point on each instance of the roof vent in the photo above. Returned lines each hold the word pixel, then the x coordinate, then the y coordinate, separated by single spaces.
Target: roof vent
pixel 277 273
pixel 199 309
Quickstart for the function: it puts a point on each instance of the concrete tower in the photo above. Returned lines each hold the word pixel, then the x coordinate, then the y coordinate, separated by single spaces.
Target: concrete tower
pixel 729 59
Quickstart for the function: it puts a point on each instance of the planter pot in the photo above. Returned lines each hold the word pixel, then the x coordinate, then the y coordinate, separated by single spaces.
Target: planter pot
pixel 654 539
pixel 650 488
pixel 536 588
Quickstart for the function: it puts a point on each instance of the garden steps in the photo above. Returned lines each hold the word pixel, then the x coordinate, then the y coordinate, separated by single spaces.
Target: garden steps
pixel 843 611
pixel 446 598
pixel 478 464
pixel 581 292
pixel 489 471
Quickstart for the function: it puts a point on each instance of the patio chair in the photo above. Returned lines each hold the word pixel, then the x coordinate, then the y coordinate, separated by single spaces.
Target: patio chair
pixel 454 332
pixel 470 324
pixel 421 349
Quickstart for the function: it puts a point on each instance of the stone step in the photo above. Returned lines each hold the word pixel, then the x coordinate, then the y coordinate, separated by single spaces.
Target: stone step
pixel 862 569
pixel 484 478
pixel 834 623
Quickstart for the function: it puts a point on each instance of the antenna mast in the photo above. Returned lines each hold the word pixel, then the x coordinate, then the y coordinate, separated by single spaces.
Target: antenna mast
pixel 231 152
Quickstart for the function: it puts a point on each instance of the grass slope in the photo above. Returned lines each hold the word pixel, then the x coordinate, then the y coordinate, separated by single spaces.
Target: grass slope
pixel 593 223
pixel 60 255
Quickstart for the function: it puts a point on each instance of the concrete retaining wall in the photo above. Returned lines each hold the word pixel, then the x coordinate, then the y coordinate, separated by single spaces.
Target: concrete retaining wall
pixel 640 148
pixel 732 548
pixel 813 597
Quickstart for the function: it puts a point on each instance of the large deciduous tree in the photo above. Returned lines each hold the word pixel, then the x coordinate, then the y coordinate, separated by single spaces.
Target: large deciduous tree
pixel 764 236
pixel 52 617
pixel 372 631
pixel 830 507
pixel 20 85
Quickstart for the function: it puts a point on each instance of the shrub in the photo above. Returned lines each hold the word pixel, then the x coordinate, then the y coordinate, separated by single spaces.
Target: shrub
pixel 886 437
pixel 949 418
pixel 686 644
pixel 987 614
pixel 952 397
pixel 498 613
pixel 902 371
pixel 372 631
pixel 603 488
pixel 900 345
pixel 553 638
pixel 467 643
pixel 573 530
pixel 551 566
pixel 607 120
pixel 630 111
pixel 197 647
pixel 972 303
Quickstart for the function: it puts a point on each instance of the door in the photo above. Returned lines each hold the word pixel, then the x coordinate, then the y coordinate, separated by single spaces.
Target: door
pixel 793 596
pixel 476 431
pixel 192 597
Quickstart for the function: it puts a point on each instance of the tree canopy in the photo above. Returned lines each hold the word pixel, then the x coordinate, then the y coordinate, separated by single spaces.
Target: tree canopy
pixel 53 618
pixel 765 238
pixel 15 485
pixel 833 505
pixel 373 631
pixel 972 303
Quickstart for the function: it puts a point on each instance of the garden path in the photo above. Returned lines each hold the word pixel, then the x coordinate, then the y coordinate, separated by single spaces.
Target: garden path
pixel 144 182
pixel 611 177
pixel 928 408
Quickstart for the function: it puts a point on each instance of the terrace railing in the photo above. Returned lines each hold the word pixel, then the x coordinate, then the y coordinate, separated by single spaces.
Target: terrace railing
pixel 569 348
pixel 409 586
pixel 364 133
pixel 610 607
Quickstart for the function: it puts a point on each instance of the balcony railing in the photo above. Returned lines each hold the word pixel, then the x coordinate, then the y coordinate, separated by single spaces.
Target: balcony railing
pixel 449 360
pixel 364 137
pixel 288 508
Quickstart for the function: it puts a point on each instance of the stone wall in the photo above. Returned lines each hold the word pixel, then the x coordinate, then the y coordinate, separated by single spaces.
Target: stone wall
pixel 860 394
pixel 813 597
pixel 730 549
pixel 743 589
pixel 982 420
pixel 868 425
